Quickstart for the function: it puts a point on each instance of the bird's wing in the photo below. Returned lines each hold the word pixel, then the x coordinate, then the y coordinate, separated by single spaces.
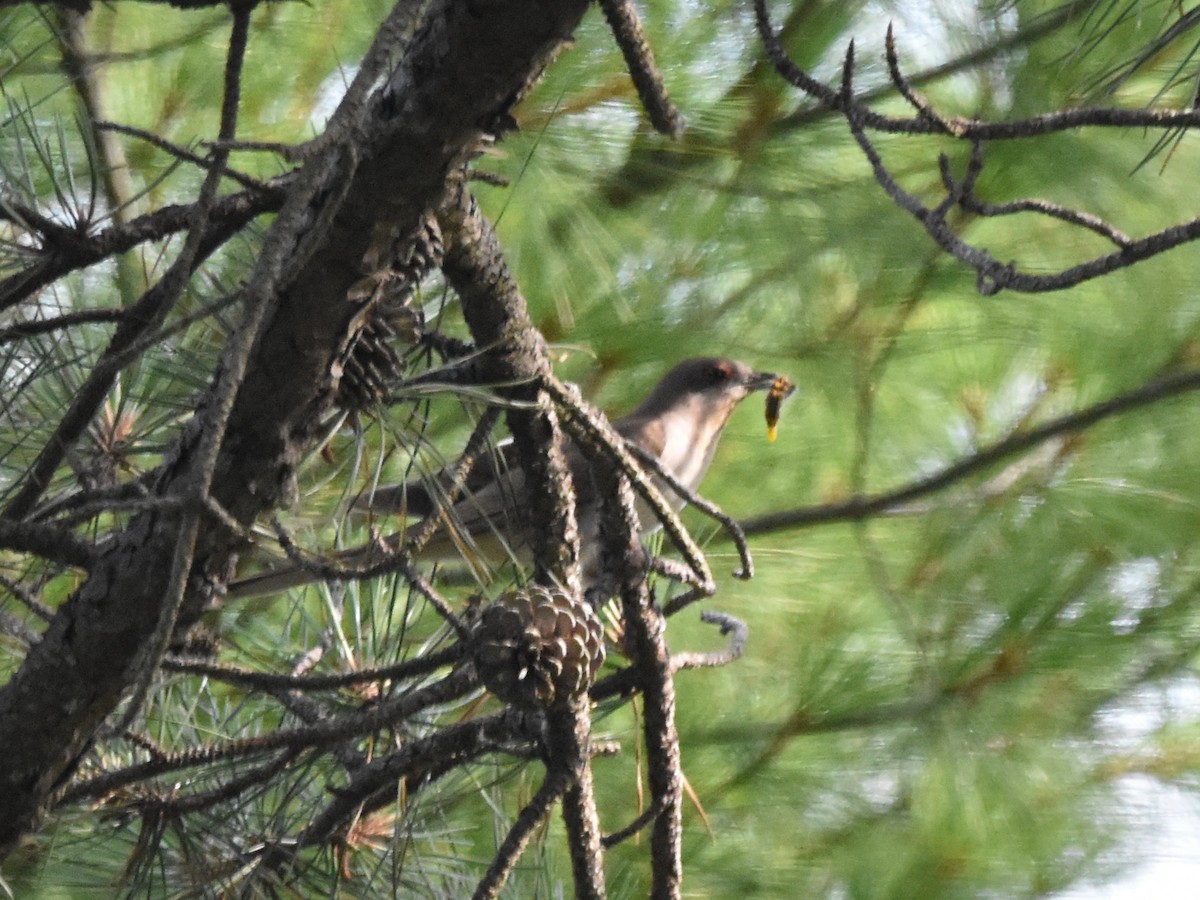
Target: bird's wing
pixel 421 495
pixel 648 432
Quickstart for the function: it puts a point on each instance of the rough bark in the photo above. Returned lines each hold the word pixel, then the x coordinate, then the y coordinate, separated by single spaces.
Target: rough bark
pixel 467 66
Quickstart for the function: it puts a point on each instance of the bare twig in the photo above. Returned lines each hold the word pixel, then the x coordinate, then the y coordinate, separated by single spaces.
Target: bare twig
pixel 1034 126
pixel 68 320
pixel 1023 36
pixel 514 843
pixel 422 586
pixel 206 163
pixel 710 509
pixel 902 84
pixel 964 197
pixel 992 275
pixel 684 600
pixel 290 152
pixel 729 625
pixel 271 681
pixel 643 819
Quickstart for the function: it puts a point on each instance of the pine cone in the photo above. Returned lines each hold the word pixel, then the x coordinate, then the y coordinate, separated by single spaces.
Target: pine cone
pixel 425 252
pixel 537 646
pixel 368 363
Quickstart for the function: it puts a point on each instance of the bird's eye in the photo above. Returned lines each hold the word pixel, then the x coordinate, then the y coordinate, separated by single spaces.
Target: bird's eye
pixel 722 371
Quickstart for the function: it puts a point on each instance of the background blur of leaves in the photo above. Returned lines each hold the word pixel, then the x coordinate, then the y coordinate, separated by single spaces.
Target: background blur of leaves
pixel 976 698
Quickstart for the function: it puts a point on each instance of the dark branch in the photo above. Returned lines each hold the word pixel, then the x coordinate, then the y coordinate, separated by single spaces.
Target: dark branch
pixel 182 804
pixel 47 541
pixel 992 275
pixel 627 28
pixel 56 323
pixel 71 251
pixel 639 824
pixel 415 760
pixel 863 507
pixel 498 317
pixel 568 745
pixel 271 681
pixel 650 672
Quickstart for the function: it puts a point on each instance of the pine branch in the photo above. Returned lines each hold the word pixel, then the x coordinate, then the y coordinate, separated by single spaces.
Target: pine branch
pixel 863 507
pixel 330 731
pixel 270 681
pixel 992 275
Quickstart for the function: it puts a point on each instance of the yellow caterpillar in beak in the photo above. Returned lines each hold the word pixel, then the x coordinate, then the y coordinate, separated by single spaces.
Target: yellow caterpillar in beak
pixel 780 390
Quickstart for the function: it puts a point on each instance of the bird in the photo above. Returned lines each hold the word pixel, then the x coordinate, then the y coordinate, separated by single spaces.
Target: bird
pixel 680 423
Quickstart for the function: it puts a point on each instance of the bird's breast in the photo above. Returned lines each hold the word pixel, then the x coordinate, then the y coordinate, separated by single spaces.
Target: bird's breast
pixel 688 450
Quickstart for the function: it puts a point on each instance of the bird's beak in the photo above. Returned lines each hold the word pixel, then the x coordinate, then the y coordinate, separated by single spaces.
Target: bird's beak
pixel 760 381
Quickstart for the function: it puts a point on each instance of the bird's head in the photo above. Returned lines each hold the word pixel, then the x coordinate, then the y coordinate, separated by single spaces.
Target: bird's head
pixel 710 383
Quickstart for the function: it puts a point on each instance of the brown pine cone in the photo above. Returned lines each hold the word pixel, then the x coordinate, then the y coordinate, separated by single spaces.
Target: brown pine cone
pixel 367 363
pixel 537 646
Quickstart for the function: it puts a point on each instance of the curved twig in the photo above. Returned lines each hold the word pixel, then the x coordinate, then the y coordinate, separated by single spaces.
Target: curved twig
pixel 710 509
pixel 738 632
pixel 593 431
pixel 638 824
pixel 182 153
